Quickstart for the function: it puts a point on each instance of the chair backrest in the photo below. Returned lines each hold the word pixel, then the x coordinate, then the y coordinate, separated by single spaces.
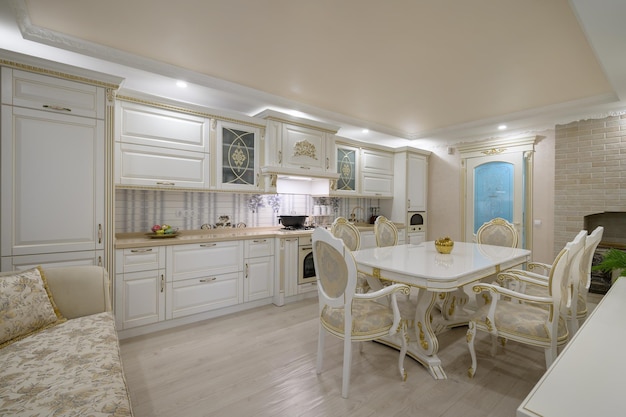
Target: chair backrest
pixel 565 290
pixel 335 269
pixel 591 243
pixel 498 232
pixel 386 232
pixel 346 231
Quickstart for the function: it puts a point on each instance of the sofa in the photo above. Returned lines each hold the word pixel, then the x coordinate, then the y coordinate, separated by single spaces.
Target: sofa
pixel 59 349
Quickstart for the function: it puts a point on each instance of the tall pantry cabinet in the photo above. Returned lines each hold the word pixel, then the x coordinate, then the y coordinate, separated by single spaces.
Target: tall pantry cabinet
pixel 53 156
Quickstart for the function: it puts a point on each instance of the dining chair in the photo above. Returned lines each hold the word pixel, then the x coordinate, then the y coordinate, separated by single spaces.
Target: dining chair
pixel 577 311
pixel 385 231
pixel 498 232
pixel 344 313
pixel 528 319
pixel 341 228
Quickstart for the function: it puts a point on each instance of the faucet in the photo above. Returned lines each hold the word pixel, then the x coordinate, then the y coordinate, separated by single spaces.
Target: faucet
pixel 353 215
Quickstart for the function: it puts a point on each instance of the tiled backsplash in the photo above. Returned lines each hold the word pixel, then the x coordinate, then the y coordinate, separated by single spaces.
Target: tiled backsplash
pixel 590 173
pixel 138 210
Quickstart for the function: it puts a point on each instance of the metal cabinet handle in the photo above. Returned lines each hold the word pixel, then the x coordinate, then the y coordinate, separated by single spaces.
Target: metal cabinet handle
pixel 247 269
pixel 305 249
pixel 280 157
pixel 165 183
pixel 99 260
pixel 100 233
pixel 208 245
pixel 327 163
pixel 162 282
pixel 55 107
pixel 208 279
pixel 259 241
pixel 140 250
pixel 305 167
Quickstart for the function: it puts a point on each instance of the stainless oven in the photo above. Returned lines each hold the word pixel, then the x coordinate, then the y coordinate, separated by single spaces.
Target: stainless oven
pixel 306 267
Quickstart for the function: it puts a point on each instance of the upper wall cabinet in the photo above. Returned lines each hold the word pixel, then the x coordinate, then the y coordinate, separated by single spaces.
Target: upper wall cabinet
pixel 238 156
pixel 160 148
pixel 298 147
pixel 376 173
pixel 348 170
pixel 41 92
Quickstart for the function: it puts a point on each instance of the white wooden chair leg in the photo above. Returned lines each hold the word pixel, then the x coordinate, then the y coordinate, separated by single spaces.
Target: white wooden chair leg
pixel 404 338
pixel 320 349
pixel 347 365
pixel 470 337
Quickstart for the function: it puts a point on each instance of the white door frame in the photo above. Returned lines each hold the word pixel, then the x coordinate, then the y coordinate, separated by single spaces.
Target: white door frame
pixel 497 147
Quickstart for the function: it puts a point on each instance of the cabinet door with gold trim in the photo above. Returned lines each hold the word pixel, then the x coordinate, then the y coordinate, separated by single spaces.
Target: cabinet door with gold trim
pixel 238 156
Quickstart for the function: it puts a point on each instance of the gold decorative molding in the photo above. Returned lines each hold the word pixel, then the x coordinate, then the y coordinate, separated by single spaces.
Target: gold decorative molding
pixel 305 148
pixel 494 151
pixel 422 337
pixel 58 74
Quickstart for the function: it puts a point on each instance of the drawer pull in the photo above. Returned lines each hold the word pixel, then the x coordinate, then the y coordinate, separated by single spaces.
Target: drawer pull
pixel 208 245
pixel 208 279
pixel 55 107
pixel 140 250
pixel 259 241
pixel 247 269
pixel 162 282
pixel 165 183
pixel 99 233
pixel 327 163
pixel 280 157
pixel 305 167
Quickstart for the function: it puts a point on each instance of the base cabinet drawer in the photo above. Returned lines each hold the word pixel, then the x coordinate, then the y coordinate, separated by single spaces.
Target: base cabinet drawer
pixel 203 259
pixel 198 295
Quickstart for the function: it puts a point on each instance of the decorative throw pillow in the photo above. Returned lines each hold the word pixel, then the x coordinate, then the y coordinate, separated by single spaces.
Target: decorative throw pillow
pixel 26 305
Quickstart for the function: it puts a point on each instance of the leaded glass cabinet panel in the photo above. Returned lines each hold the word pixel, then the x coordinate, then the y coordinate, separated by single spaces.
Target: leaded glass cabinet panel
pixel 347 160
pixel 238 155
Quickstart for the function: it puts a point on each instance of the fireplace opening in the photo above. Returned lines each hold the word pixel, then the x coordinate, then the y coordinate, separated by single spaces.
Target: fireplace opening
pixel 614 236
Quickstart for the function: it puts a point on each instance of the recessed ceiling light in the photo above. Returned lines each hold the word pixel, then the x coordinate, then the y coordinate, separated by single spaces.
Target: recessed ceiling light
pixel 365 131
pixel 502 127
pixel 181 84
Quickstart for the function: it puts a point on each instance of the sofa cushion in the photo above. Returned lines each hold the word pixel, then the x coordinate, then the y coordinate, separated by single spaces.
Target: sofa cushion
pixel 73 369
pixel 26 305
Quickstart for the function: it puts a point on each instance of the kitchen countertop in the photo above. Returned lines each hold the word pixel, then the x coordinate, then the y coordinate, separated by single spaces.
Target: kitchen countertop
pixel 141 239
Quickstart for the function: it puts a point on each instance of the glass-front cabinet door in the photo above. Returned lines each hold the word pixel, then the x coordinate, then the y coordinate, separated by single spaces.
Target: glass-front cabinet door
pixel 347 165
pixel 237 156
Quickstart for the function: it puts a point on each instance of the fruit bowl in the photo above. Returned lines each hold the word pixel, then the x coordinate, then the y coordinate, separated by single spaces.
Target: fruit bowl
pixel 162 231
pixel 444 245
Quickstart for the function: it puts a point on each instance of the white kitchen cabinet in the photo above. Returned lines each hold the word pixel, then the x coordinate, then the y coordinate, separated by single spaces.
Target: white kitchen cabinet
pixel 238 157
pixel 14 263
pixel 203 276
pixel 377 174
pixel 42 92
pixel 416 238
pixel 286 283
pixel 410 188
pixel 258 280
pixel 198 295
pixel 348 169
pixel 160 167
pixel 52 171
pixel 368 239
pixel 139 287
pixel 156 147
pixel 298 147
pixel 416 184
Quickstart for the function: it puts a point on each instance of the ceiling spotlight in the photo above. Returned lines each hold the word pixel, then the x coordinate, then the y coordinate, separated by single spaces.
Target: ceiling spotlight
pixel 365 131
pixel 181 84
pixel 502 127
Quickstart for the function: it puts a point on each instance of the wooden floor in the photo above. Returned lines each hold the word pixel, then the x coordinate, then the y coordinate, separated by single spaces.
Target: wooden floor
pixel 261 362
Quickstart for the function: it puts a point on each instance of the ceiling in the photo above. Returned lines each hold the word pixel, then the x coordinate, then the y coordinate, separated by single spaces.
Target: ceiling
pixel 407 70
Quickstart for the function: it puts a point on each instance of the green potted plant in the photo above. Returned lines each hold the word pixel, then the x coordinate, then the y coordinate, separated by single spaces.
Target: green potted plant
pixel 613 259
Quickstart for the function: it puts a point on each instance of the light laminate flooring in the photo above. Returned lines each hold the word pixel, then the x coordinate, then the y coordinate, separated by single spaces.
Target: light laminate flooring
pixel 261 362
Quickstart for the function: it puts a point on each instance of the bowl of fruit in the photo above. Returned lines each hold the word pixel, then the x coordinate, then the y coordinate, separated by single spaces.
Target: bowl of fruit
pixel 163 231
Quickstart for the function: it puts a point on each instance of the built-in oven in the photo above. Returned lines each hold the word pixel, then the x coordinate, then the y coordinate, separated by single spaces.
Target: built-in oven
pixel 415 227
pixel 306 266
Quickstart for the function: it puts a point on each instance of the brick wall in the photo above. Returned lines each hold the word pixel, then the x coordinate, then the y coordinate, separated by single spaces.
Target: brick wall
pixel 590 173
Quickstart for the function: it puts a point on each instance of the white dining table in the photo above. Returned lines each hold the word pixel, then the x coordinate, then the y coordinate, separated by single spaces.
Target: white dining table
pixel 440 279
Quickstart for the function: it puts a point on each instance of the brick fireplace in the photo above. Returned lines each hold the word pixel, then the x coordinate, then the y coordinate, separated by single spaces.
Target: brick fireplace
pixel 590 173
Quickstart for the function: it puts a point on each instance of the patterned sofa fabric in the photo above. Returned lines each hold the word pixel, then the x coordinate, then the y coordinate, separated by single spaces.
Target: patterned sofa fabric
pixel 72 369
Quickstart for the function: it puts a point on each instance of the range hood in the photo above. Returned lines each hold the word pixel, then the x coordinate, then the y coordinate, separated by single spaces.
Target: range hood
pixel 298 184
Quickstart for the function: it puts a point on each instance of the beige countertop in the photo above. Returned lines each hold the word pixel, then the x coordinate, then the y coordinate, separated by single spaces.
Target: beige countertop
pixel 140 239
